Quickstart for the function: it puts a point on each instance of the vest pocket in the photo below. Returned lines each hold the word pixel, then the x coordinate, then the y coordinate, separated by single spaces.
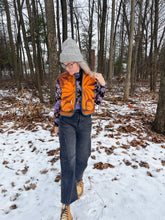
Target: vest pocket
pixel 89 105
pixel 67 106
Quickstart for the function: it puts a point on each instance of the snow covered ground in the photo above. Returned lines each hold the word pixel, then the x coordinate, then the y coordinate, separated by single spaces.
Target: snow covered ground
pixel 125 178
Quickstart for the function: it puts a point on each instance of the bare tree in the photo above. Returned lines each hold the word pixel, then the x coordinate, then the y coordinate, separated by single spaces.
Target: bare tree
pixel 30 61
pixel 71 17
pixel 35 58
pixel 111 46
pixel 13 51
pixel 102 37
pixel 155 44
pixel 52 47
pixel 137 40
pixel 90 32
pixel 127 84
pixel 159 122
pixel 64 19
pixel 58 25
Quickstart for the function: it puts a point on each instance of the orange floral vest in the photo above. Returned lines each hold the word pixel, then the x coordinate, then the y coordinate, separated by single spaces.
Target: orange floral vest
pixel 68 97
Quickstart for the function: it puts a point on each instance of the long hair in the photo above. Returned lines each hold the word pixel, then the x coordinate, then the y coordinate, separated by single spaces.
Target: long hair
pixel 86 68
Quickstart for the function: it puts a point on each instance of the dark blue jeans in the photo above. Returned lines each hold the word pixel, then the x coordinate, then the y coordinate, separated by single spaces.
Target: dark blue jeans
pixel 75 149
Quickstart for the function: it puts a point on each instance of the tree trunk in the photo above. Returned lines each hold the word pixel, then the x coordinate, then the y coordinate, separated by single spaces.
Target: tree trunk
pixel 32 33
pixel 98 26
pixel 121 45
pixel 64 19
pixel 78 30
pixel 155 43
pixel 137 39
pixel 111 46
pixel 102 37
pixel 12 46
pixel 71 17
pixel 37 42
pixel 18 43
pixel 52 46
pixel 26 43
pixel 90 34
pixel 151 52
pixel 127 84
pixel 58 26
pixel 159 122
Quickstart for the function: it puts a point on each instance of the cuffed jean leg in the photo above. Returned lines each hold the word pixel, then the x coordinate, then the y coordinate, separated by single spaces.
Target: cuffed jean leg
pixel 83 145
pixel 75 148
pixel 67 136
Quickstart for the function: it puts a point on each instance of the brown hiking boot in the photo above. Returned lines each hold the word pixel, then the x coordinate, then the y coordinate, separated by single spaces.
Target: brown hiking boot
pixel 79 188
pixel 65 213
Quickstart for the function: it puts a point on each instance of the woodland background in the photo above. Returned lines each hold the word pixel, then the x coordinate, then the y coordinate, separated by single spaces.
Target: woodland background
pixel 124 40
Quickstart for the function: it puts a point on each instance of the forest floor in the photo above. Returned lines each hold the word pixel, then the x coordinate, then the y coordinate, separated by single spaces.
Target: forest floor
pixel 125 177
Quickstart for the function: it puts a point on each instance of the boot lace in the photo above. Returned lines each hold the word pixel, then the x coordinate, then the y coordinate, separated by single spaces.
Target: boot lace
pixel 64 214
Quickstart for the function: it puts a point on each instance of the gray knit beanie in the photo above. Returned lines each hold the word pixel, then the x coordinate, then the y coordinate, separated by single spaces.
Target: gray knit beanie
pixel 70 52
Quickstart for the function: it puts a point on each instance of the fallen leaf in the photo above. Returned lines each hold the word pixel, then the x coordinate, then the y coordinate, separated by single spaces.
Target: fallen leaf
pixel 144 164
pixel 5 162
pixel 3 190
pixel 127 162
pixel 93 157
pixel 58 178
pixel 134 166
pixel 13 207
pixel 24 171
pixel 149 174
pixel 163 162
pixel 43 171
pixel 101 166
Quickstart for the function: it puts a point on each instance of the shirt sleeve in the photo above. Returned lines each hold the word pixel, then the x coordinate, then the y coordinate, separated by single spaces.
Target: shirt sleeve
pixel 57 106
pixel 99 93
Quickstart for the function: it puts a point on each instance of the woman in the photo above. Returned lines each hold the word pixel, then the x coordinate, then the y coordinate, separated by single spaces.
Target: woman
pixel 77 90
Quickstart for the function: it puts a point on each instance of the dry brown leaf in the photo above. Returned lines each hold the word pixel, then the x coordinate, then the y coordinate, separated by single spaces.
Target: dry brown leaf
pixel 5 162
pixel 93 157
pixel 124 152
pixel 101 166
pixel 53 152
pixel 58 178
pixel 43 171
pixel 163 162
pixel 12 184
pixel 158 170
pixel 134 166
pixel 53 160
pixel 126 129
pixel 31 186
pixel 3 190
pixel 53 169
pixel 13 207
pixel 127 162
pixel 149 174
pixel 144 164
pixel 114 179
pixel 24 171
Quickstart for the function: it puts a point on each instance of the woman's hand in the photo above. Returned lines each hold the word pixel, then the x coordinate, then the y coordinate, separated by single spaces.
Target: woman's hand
pixel 100 78
pixel 56 130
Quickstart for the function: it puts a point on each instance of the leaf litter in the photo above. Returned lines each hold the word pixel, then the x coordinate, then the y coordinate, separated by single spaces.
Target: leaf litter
pixel 125 154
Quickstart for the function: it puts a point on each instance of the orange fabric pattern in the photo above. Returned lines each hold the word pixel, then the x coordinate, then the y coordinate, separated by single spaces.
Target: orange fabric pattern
pixel 68 98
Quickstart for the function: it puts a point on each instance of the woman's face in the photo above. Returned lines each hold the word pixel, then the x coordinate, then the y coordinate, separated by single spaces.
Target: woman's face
pixel 71 67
